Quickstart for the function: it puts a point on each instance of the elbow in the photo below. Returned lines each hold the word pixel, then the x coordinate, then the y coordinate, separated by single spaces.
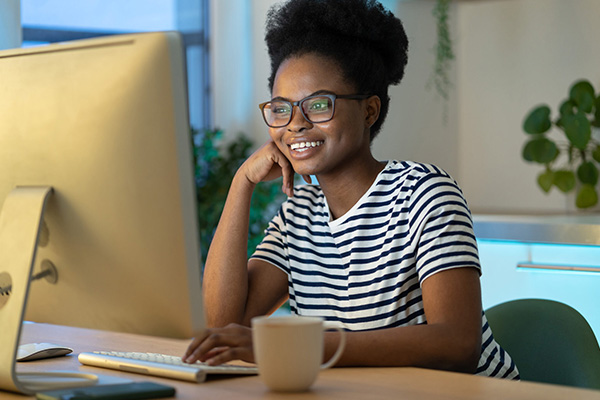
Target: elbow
pixel 469 361
pixel 465 356
pixel 460 353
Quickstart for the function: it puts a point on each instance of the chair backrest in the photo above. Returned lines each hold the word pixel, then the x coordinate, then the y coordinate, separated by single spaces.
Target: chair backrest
pixel 549 341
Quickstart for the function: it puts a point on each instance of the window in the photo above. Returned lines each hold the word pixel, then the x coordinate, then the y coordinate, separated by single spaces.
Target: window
pixel 49 21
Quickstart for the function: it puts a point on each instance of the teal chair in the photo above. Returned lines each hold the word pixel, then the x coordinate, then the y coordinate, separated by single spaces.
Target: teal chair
pixel 549 342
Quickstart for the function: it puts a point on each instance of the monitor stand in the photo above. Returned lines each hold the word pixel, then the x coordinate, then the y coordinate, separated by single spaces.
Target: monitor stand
pixel 20 222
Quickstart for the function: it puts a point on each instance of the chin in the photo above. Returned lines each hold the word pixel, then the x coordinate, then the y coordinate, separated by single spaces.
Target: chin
pixel 303 169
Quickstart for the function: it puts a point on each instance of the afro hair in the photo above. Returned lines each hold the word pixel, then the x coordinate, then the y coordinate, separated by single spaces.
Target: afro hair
pixel 367 42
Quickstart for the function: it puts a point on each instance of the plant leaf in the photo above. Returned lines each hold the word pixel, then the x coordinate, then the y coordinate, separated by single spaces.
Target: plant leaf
pixel 538 120
pixel 527 152
pixel 582 94
pixel 564 180
pixel 586 197
pixel 545 180
pixel 588 173
pixel 596 153
pixel 541 150
pixel 597 113
pixel 578 129
pixel 566 108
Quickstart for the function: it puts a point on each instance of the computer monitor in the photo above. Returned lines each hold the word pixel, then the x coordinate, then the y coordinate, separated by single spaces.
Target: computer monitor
pixel 103 122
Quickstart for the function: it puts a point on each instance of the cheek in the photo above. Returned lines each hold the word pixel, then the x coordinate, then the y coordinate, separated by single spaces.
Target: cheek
pixel 276 136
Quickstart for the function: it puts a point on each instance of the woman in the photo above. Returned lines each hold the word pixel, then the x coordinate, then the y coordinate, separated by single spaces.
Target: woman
pixel 385 249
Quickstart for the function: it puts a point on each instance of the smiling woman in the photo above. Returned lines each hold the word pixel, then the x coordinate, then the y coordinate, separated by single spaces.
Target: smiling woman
pixel 344 130
pixel 383 249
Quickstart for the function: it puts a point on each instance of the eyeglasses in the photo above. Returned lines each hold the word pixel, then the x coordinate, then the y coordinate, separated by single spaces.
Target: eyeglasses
pixel 315 109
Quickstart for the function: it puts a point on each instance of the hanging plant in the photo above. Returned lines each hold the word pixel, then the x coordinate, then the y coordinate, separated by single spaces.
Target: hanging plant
pixel 440 76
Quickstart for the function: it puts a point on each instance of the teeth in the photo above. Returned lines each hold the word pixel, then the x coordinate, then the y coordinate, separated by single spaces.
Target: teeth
pixel 304 145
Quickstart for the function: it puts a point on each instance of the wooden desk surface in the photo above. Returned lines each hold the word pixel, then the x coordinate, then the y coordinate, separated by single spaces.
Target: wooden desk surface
pixel 336 383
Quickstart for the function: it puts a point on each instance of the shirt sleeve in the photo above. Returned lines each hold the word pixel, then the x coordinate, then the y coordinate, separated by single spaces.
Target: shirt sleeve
pixel 442 223
pixel 273 248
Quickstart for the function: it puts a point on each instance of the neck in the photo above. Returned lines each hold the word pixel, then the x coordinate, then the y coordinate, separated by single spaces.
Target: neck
pixel 344 188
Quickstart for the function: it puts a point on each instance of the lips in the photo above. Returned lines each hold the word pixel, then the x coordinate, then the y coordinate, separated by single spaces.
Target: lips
pixel 303 146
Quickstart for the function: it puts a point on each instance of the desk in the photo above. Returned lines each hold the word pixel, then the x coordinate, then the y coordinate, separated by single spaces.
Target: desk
pixel 337 383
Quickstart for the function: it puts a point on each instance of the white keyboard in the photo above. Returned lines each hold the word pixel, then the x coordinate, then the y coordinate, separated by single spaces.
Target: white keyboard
pixel 162 365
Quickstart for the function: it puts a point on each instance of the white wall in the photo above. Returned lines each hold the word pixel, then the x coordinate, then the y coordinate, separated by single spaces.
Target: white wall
pixel 240 66
pixel 510 56
pixel 513 55
pixel 418 127
pixel 10 24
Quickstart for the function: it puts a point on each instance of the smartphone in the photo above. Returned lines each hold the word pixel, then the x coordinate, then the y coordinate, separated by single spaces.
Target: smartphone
pixel 133 390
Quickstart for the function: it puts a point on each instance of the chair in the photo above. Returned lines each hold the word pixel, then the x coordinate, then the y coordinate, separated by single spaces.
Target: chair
pixel 549 342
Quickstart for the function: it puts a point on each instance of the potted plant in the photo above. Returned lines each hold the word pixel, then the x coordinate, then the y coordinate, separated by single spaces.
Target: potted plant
pixel 216 162
pixel 572 161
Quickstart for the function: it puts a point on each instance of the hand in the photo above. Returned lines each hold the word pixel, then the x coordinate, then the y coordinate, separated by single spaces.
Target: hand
pixel 268 163
pixel 219 345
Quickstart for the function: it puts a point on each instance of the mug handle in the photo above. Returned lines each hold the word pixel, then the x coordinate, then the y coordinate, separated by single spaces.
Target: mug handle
pixel 340 349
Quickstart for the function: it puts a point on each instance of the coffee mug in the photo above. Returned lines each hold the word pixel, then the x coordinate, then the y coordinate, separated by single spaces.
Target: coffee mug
pixel 289 350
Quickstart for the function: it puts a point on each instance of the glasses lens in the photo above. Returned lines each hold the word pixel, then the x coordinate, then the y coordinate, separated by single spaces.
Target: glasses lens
pixel 277 113
pixel 318 108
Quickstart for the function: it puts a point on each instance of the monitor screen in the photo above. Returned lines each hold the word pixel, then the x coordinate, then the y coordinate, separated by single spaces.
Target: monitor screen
pixel 104 123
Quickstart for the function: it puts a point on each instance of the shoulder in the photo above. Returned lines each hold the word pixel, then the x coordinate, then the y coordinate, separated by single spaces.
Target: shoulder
pixel 308 202
pixel 413 169
pixel 421 186
pixel 306 195
pixel 307 192
pixel 409 176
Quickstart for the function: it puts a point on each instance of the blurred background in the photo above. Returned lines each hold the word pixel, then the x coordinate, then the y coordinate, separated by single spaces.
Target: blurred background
pixel 509 56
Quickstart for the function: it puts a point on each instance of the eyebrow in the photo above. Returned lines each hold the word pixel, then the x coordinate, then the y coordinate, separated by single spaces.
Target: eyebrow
pixel 322 91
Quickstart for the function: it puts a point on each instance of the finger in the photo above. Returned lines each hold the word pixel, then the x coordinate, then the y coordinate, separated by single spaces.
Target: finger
pixel 194 345
pixel 230 336
pixel 307 179
pixel 215 352
pixel 234 353
pixel 287 171
pixel 209 351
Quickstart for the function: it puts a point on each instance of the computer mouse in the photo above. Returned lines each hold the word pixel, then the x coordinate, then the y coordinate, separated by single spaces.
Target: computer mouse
pixel 37 351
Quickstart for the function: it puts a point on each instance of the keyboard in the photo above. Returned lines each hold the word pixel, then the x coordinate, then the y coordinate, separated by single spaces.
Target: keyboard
pixel 161 365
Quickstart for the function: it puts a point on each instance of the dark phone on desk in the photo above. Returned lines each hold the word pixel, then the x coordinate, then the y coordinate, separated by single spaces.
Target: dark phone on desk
pixel 134 390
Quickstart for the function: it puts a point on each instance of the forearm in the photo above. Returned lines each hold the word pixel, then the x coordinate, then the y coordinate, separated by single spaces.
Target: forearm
pixel 225 284
pixel 428 346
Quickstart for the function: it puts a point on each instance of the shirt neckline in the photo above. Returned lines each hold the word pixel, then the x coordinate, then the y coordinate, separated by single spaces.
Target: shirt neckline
pixel 340 220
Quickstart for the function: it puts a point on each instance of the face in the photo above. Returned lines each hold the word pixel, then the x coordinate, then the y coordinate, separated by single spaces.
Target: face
pixel 328 147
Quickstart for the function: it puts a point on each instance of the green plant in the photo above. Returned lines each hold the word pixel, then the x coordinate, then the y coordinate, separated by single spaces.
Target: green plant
pixel 578 170
pixel 215 165
pixel 443 50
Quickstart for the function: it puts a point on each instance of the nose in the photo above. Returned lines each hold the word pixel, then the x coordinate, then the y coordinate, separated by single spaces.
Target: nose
pixel 298 122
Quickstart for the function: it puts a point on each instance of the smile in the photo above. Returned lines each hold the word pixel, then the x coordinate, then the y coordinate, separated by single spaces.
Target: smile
pixel 303 146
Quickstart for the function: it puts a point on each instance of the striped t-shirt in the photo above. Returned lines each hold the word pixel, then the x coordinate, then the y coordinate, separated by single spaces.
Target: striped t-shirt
pixel 364 270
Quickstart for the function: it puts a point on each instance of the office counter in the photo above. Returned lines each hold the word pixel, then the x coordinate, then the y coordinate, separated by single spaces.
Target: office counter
pixel 554 257
pixel 581 228
pixel 337 383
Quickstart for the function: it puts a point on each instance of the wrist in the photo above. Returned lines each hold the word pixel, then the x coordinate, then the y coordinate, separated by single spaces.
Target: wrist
pixel 242 182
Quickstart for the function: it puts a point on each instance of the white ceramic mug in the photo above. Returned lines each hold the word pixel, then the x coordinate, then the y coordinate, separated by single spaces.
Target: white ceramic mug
pixel 289 350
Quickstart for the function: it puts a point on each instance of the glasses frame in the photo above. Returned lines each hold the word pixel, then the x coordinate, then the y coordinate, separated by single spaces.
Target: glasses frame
pixel 333 97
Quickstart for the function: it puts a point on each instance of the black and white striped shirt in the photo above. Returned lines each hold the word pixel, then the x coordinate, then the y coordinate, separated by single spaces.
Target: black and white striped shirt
pixel 364 270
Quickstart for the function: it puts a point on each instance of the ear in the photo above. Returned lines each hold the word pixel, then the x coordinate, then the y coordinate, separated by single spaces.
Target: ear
pixel 372 110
